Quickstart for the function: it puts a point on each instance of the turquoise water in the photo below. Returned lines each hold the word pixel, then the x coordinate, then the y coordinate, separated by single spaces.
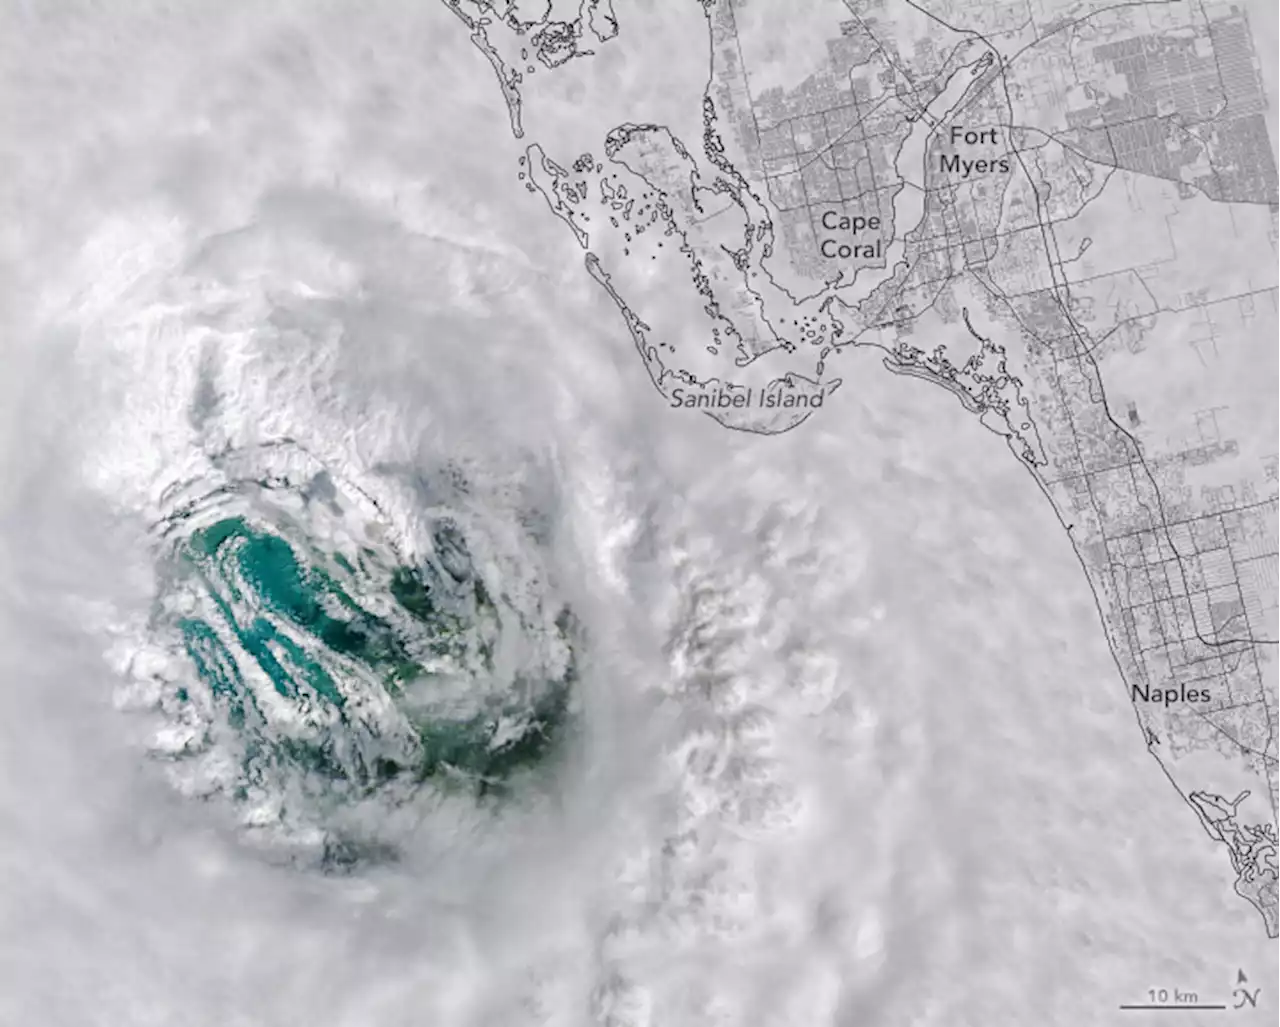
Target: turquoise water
pixel 351 670
pixel 239 558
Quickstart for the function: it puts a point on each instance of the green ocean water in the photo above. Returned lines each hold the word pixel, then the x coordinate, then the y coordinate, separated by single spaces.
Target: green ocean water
pixel 327 673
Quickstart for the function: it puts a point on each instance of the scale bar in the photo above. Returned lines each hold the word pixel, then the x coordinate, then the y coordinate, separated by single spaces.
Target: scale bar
pixel 1170 1005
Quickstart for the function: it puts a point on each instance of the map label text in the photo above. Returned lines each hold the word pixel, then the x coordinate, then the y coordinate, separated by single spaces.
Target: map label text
pixel 1169 696
pixel 838 221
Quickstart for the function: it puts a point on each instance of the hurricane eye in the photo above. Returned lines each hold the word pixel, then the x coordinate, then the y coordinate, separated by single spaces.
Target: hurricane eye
pixel 324 661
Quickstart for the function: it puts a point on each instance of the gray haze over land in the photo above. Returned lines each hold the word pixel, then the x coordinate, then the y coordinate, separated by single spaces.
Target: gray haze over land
pixel 851 750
